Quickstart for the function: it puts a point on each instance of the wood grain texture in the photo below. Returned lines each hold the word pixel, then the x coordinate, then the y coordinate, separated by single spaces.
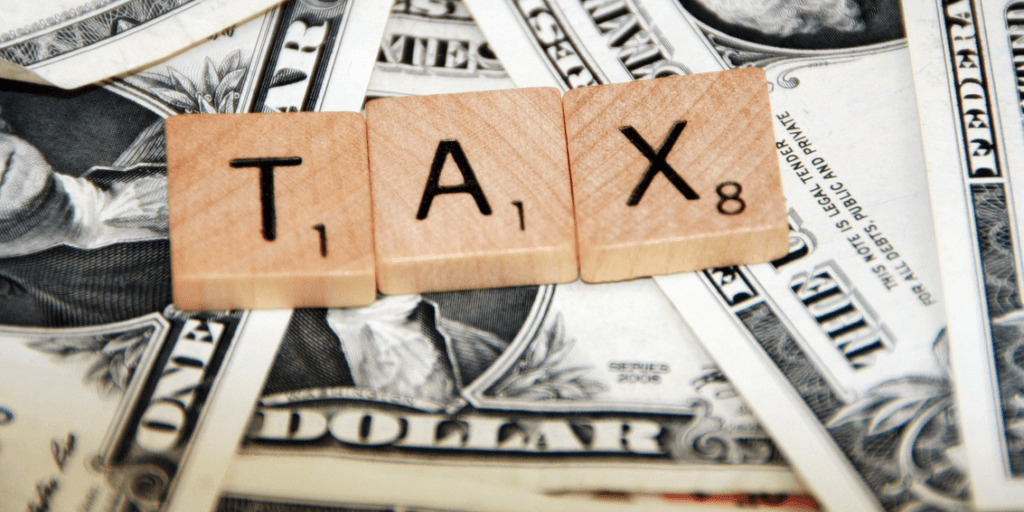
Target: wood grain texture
pixel 220 257
pixel 514 142
pixel 727 137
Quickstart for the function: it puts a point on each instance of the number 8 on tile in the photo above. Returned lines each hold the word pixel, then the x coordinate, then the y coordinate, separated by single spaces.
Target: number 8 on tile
pixel 709 195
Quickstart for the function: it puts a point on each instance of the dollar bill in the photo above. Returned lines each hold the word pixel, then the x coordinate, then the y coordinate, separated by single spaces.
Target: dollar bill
pixel 434 48
pixel 967 67
pixel 378 490
pixel 839 347
pixel 543 388
pixel 112 416
pixel 71 43
pixel 110 399
pixel 388 490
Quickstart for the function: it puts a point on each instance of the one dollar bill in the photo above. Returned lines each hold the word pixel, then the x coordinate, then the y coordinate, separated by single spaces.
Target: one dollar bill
pixel 839 346
pixel 110 398
pixel 540 388
pixel 967 68
pixel 71 43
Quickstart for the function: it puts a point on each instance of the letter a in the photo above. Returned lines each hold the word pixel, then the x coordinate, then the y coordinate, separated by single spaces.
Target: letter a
pixel 469 186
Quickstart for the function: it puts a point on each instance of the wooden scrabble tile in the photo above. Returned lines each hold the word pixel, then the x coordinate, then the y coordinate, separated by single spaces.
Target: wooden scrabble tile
pixel 470 191
pixel 674 174
pixel 269 210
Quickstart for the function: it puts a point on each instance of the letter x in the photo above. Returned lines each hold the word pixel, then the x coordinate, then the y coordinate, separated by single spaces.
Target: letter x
pixel 658 163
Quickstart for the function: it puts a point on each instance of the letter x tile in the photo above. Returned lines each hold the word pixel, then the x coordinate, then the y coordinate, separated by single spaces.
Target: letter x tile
pixel 674 174
pixel 470 191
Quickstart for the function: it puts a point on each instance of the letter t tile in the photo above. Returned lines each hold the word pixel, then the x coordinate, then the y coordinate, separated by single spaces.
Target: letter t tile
pixel 270 210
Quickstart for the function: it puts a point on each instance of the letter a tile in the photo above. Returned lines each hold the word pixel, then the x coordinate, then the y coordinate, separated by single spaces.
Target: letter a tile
pixel 470 191
pixel 270 210
pixel 675 174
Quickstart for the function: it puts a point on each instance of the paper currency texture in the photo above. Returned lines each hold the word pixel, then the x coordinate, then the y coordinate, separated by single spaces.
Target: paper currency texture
pixel 967 73
pixel 71 43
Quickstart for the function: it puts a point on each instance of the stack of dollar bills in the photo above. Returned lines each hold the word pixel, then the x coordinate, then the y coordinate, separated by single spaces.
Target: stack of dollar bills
pixel 877 366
